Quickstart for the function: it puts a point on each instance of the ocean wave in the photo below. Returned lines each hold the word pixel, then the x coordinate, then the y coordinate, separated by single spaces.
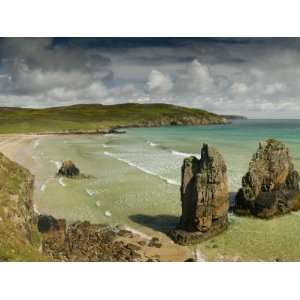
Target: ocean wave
pixel 151 144
pixel 183 154
pixel 142 169
pixel 168 180
pixel 57 164
pixel 35 209
pixel 108 213
pixel 91 192
pixel 36 144
pixel 61 181
pixel 43 187
pixel 105 146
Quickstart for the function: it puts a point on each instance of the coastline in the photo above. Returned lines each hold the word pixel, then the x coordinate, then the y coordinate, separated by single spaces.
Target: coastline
pixel 14 147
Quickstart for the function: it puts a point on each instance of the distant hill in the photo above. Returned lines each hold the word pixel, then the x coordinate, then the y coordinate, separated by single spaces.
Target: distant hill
pixel 93 118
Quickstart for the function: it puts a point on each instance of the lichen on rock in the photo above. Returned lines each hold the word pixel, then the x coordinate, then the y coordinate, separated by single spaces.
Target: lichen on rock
pixel 271 184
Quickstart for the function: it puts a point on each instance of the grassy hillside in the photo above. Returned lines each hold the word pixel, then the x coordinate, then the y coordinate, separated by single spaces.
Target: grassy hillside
pixel 92 117
pixel 19 237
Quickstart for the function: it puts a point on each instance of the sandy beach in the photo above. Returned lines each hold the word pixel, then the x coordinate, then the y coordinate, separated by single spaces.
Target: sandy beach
pixel 10 145
pixel 18 148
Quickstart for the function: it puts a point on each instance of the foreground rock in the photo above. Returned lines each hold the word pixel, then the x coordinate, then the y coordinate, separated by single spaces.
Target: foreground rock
pixel 271 186
pixel 68 169
pixel 83 241
pixel 204 197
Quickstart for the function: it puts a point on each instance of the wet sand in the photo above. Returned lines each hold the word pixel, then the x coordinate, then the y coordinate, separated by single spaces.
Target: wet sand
pixel 19 149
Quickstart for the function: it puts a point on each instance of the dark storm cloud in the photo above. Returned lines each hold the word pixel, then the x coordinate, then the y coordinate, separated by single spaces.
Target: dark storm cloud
pixel 258 77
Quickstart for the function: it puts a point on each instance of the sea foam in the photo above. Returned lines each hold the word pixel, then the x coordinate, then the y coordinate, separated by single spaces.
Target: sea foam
pixel 43 187
pixel 61 181
pixel 142 169
pixel 36 144
pixel 183 154
pixel 90 192
pixel 57 164
pixel 107 213
pixel 151 144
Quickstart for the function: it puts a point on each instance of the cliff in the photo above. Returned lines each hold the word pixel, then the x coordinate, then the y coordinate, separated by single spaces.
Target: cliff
pixel 19 237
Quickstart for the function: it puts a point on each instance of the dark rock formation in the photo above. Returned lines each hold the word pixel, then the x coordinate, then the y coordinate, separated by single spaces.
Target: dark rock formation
pixel 68 169
pixel 204 197
pixel 83 241
pixel 271 186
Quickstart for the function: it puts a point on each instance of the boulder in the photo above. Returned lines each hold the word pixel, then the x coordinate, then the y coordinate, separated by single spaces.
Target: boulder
pixel 271 185
pixel 204 197
pixel 68 169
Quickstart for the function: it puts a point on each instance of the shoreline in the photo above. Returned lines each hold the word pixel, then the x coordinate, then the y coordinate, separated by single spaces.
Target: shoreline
pixel 14 147
pixel 118 129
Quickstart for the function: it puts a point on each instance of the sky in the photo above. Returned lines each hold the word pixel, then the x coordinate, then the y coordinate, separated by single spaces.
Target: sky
pixel 254 77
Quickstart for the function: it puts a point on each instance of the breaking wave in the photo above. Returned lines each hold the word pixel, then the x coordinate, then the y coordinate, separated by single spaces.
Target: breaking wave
pixel 57 164
pixel 108 213
pixel 90 192
pixel 183 154
pixel 142 169
pixel 36 144
pixel 151 144
pixel 61 181
pixel 43 187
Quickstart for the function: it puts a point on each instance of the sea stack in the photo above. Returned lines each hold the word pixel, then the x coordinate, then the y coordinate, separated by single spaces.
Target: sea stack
pixel 204 197
pixel 68 169
pixel 271 185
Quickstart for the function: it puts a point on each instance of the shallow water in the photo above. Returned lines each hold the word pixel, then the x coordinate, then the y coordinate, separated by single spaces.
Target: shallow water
pixel 137 178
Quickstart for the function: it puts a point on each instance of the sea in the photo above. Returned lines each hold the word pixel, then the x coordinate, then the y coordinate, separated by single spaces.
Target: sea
pixel 136 181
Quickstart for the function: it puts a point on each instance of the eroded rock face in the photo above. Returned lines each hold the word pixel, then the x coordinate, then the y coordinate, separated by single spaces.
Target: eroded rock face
pixel 83 241
pixel 271 185
pixel 68 169
pixel 204 197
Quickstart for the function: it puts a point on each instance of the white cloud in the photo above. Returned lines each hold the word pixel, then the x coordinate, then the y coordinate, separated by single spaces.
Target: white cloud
pixel 159 83
pixel 274 88
pixel 252 78
pixel 239 88
pixel 195 77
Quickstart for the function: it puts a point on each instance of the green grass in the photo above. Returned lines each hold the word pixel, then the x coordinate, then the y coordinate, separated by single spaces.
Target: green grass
pixel 94 117
pixel 19 237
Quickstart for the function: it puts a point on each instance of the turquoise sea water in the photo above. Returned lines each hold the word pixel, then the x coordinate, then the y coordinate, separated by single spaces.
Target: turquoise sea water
pixel 237 142
pixel 137 174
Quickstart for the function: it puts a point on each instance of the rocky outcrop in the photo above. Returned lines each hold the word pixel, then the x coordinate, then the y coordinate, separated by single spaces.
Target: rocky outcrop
pixel 271 186
pixel 19 237
pixel 83 241
pixel 68 169
pixel 204 197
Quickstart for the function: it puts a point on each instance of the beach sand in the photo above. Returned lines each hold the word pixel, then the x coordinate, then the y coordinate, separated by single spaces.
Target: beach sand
pixel 16 148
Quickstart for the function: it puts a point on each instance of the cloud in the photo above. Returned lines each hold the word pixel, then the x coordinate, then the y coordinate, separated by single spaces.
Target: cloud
pixel 159 83
pixel 274 88
pixel 239 88
pixel 255 77
pixel 195 77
